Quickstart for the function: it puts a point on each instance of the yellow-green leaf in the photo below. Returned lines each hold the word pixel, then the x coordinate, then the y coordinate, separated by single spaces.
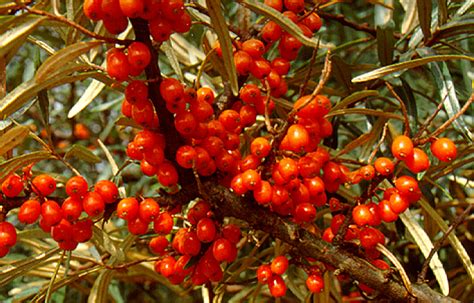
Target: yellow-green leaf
pixel 12 138
pixel 424 243
pixel 364 111
pixel 20 161
pixel 283 21
pixel 220 27
pixel 81 152
pixel 67 54
pixel 383 71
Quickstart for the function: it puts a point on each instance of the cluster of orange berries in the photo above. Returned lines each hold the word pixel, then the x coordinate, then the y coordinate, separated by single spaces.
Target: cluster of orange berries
pixel 203 240
pixel 63 220
pixel 164 16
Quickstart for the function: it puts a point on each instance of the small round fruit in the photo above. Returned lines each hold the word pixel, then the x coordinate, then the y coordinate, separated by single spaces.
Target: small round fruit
pixel 279 265
pixel 315 283
pixel 444 149
pixel 76 186
pixel 402 147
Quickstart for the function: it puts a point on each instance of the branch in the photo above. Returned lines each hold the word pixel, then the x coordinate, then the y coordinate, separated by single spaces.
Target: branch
pixel 76 26
pixel 363 27
pixel 308 245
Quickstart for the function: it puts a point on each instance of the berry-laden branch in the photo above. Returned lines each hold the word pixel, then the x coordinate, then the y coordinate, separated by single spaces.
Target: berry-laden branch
pixel 307 245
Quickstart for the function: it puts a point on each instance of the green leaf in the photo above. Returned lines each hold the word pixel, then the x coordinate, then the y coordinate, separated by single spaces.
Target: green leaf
pixel 424 243
pixel 424 16
pixel 342 72
pixel 83 153
pixel 43 101
pixel 67 54
pixel 15 163
pixel 29 89
pixel 220 27
pixel 385 44
pixel 354 97
pixel 383 71
pixel 14 32
pixel 452 238
pixel 12 138
pixel 283 21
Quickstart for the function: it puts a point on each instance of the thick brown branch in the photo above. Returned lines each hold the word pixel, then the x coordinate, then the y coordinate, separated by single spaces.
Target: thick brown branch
pixel 307 245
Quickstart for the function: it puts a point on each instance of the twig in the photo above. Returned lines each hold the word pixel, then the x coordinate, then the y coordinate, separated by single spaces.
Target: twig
pixel 447 123
pixel 402 107
pixel 50 286
pixel 439 243
pixel 80 28
pixel 310 68
pixel 268 124
pixel 406 281
pixel 326 72
pixel 363 27
pixel 374 152
pixel 430 119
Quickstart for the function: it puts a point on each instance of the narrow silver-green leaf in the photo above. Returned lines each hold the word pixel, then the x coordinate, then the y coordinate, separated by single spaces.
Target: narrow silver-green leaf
pixel 424 16
pixel 383 71
pixel 447 92
pixel 17 268
pixel 12 138
pixel 62 56
pixel 173 59
pixel 424 243
pixel 452 238
pixel 83 153
pixel 220 27
pixel 92 91
pixel 21 161
pixel 283 21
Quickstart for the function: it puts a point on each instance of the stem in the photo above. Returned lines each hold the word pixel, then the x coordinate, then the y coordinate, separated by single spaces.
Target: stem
pixel 448 122
pixel 402 107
